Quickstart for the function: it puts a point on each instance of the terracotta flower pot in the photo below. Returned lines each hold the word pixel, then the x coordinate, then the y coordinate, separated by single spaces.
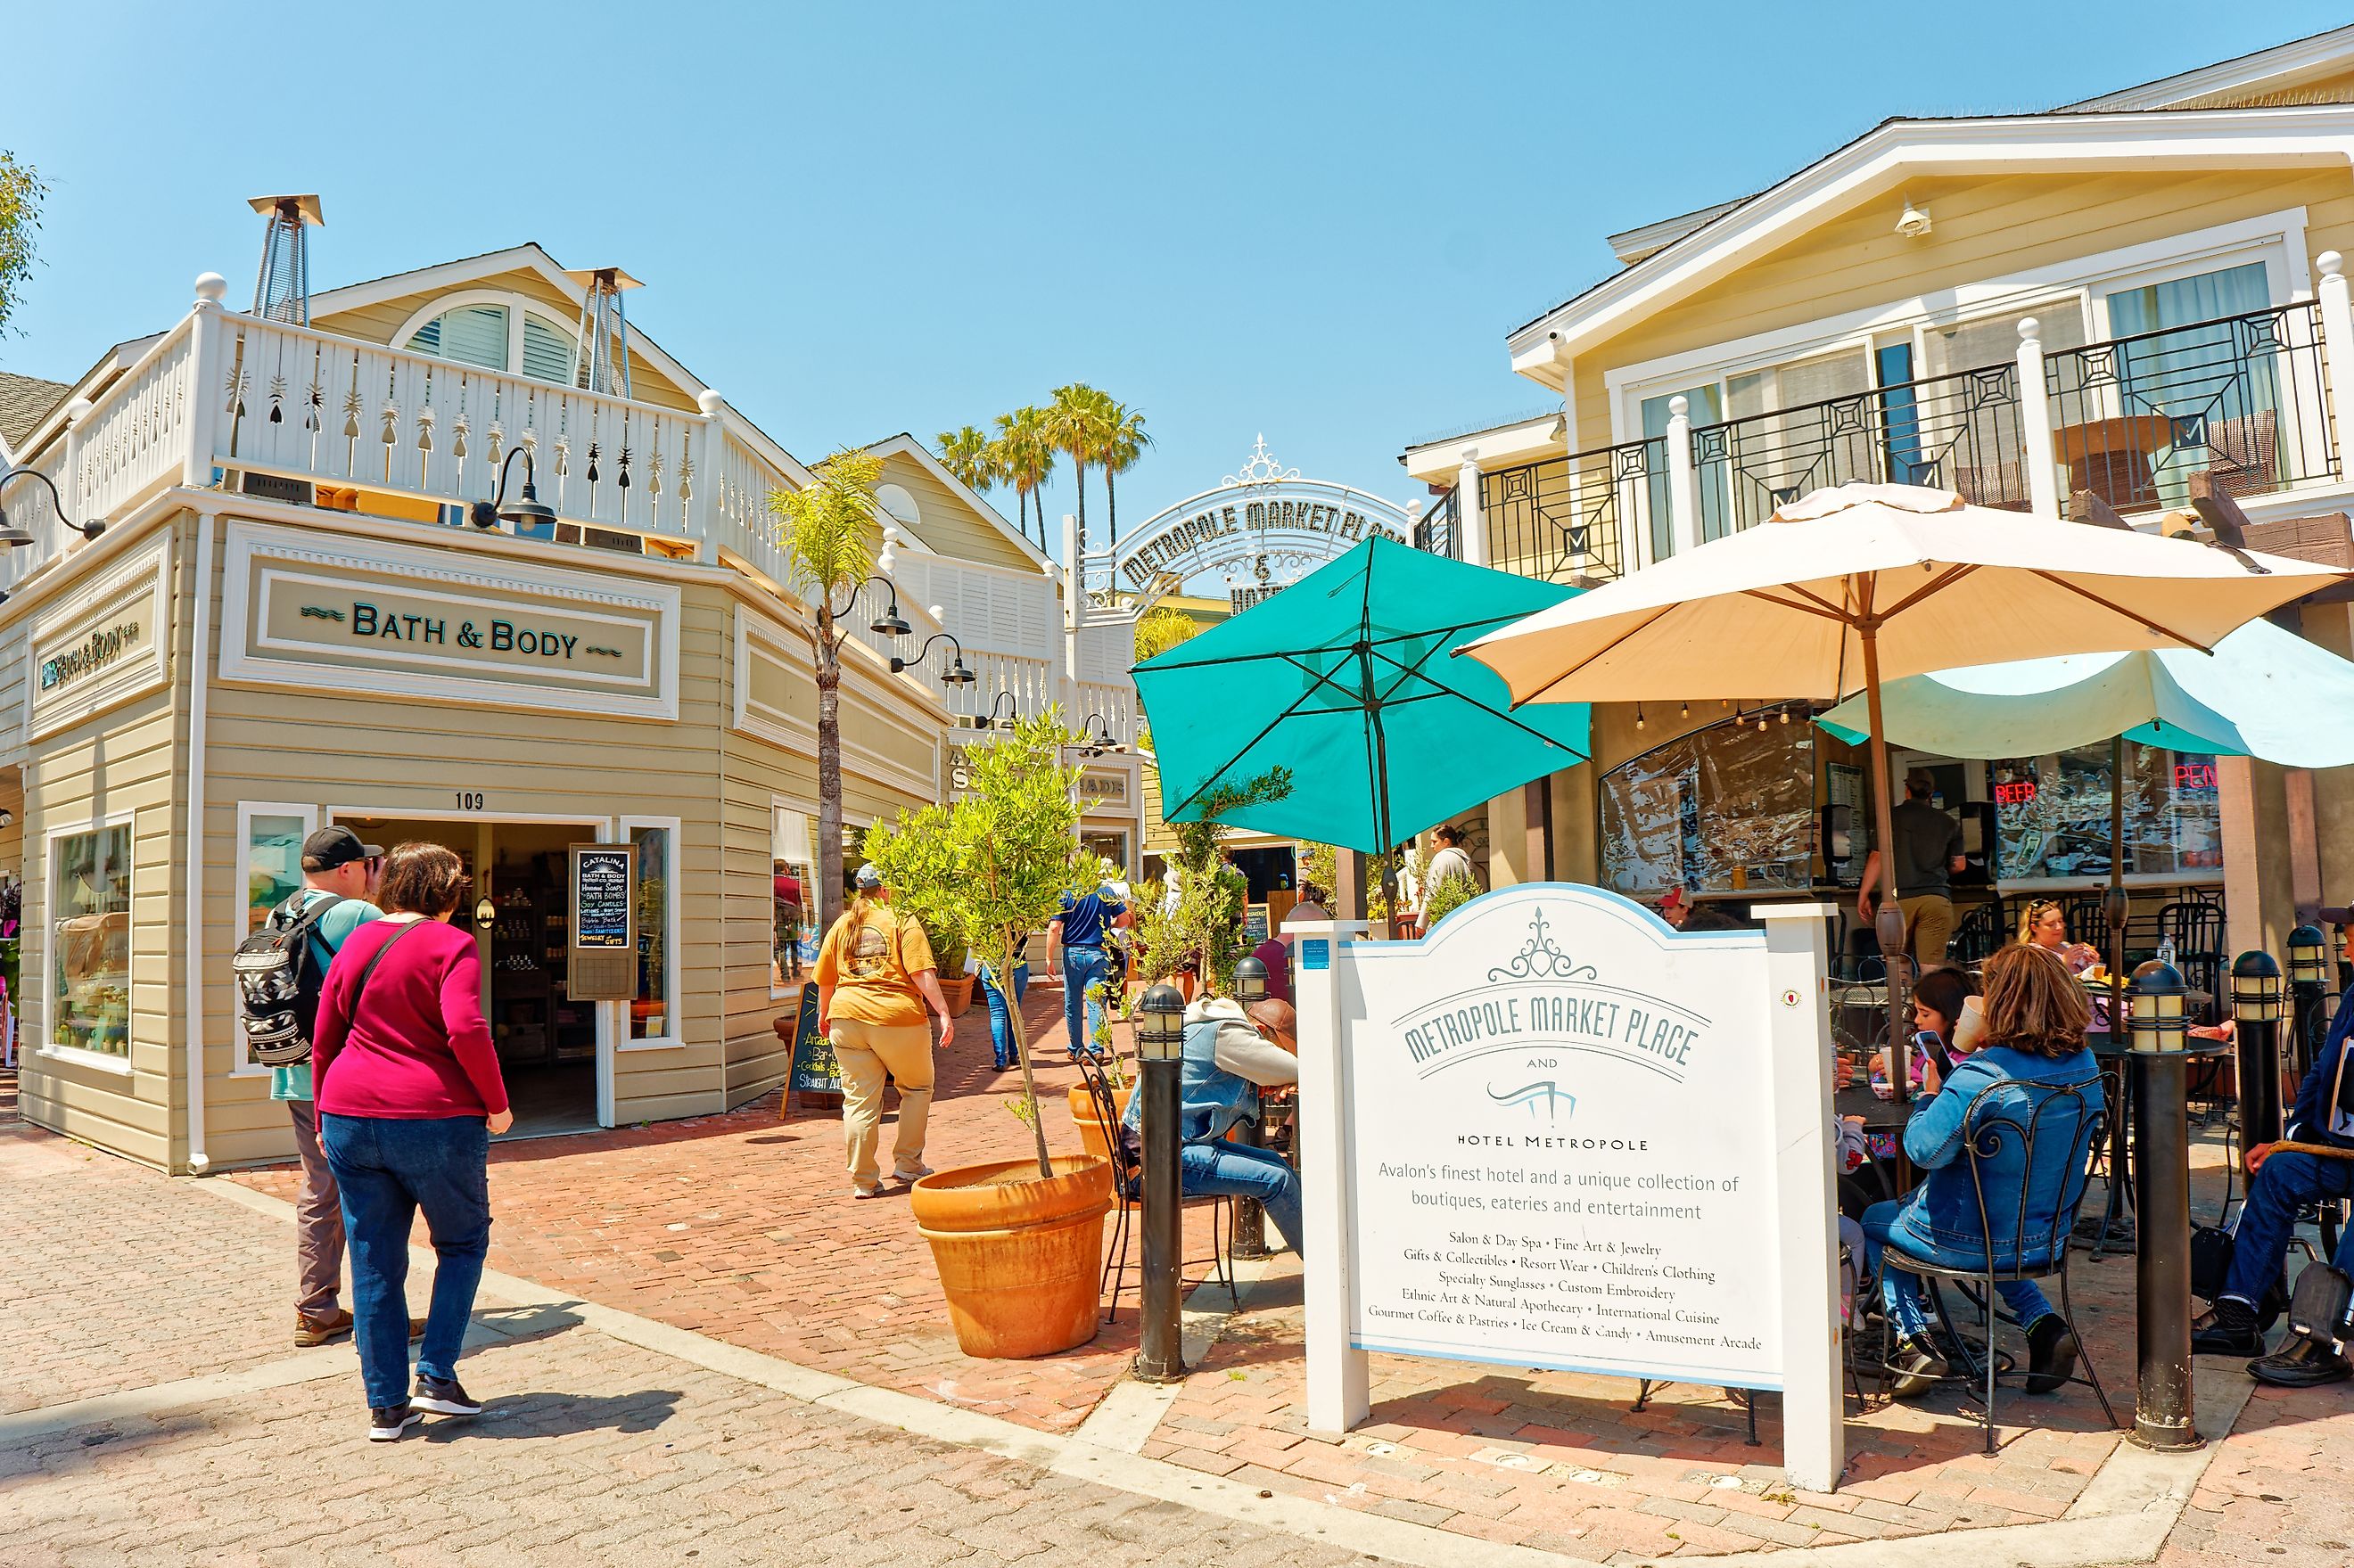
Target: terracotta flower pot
pixel 958 994
pixel 1021 1259
pixel 1083 1117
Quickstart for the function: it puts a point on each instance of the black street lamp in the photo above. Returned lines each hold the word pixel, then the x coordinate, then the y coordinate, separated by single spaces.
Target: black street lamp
pixel 527 511
pixel 1250 1219
pixel 2258 1005
pixel 11 537
pixel 2161 1045
pixel 2308 982
pixel 956 674
pixel 1160 1049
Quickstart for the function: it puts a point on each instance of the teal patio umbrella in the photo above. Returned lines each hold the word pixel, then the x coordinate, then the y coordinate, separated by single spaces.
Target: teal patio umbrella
pixel 1344 679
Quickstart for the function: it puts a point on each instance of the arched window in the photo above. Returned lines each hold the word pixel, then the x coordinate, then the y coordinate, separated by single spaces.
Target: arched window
pixel 497 332
pixel 895 500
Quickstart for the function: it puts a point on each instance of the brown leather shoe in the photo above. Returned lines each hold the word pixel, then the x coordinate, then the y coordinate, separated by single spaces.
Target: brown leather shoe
pixel 309 1331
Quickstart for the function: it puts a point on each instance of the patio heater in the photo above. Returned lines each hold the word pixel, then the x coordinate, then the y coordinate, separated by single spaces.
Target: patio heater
pixel 2160 1032
pixel 600 352
pixel 2308 984
pixel 2258 1005
pixel 1160 1048
pixel 1250 1218
pixel 282 289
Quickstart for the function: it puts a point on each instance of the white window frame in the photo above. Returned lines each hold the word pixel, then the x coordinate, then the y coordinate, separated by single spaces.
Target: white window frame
pixel 778 806
pixel 2278 239
pixel 514 306
pixel 673 998
pixel 241 1065
pixel 48 1048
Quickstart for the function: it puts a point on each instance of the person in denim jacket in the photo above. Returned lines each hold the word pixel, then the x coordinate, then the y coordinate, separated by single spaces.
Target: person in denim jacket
pixel 2035 1019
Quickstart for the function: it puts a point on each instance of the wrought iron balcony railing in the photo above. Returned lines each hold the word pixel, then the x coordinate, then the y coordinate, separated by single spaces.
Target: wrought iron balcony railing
pixel 1440 529
pixel 1570 519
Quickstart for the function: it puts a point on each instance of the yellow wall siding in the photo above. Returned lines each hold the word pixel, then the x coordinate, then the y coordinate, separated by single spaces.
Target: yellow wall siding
pixel 1985 229
pixel 378 323
pixel 136 747
pixel 948 524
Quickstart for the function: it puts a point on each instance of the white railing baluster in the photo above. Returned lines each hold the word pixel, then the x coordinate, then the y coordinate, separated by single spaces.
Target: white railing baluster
pixel 2035 424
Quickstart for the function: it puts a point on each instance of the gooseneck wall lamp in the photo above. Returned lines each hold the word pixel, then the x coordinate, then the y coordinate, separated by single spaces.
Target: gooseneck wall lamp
pixel 524 513
pixel 890 624
pixel 11 535
pixel 989 719
pixel 956 674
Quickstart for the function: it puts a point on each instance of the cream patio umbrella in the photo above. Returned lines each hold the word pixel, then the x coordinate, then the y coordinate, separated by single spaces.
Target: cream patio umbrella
pixel 1849 587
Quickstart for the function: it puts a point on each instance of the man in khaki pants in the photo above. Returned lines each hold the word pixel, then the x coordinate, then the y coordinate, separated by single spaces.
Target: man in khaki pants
pixel 874 980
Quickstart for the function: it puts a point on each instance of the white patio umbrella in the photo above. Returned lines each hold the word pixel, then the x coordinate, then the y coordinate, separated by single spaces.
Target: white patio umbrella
pixel 1846 588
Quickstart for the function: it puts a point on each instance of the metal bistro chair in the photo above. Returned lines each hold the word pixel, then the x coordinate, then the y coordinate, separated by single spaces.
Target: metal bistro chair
pixel 2041 1249
pixel 1128 1189
pixel 1978 935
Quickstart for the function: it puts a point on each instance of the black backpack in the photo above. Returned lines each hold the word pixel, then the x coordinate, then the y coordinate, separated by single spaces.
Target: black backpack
pixel 278 976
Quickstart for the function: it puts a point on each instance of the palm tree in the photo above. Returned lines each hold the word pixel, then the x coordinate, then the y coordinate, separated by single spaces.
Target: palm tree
pixel 1124 441
pixel 1075 423
pixel 965 453
pixel 1027 455
pixel 822 530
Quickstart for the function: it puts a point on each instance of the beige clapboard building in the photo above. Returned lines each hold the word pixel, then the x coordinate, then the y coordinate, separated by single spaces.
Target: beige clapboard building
pixel 2124 299
pixel 287 622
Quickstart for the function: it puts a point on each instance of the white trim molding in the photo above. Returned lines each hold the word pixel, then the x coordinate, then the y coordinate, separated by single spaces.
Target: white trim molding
pixel 2319 134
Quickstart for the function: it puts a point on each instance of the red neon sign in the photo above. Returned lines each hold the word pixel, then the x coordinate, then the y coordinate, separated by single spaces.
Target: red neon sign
pixel 2018 794
pixel 2194 776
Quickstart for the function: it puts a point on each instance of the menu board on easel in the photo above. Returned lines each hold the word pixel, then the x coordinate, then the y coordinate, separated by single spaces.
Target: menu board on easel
pixel 603 957
pixel 816 1077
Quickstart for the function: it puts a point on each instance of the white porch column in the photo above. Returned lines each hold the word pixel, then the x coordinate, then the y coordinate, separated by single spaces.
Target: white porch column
pixel 2338 340
pixel 203 382
pixel 1074 622
pixel 1470 519
pixel 2035 424
pixel 72 503
pixel 1683 479
pixel 702 509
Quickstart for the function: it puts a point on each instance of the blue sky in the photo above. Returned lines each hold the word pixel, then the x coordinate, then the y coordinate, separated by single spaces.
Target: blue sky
pixel 1314 221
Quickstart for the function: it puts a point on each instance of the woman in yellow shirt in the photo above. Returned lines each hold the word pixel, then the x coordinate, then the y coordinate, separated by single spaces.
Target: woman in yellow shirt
pixel 875 981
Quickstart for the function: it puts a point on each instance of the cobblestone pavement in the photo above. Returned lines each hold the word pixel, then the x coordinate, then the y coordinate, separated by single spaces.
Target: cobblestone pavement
pixel 742 1226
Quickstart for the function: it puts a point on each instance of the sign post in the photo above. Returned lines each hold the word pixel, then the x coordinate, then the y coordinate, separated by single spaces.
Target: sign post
pixel 1556 1133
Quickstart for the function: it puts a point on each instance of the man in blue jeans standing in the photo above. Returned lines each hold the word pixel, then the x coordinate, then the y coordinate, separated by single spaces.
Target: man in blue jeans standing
pixel 1081 929
pixel 1228 1061
pixel 2284 1183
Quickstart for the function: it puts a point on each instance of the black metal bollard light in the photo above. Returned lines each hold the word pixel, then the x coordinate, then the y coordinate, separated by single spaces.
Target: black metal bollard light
pixel 2162 1187
pixel 1160 1049
pixel 2308 984
pixel 1250 1219
pixel 2257 1008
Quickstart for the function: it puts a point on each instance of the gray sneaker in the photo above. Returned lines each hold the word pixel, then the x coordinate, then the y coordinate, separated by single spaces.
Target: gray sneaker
pixel 386 1425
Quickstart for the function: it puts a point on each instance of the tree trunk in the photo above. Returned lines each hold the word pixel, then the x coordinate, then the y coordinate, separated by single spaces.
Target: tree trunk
pixel 1008 952
pixel 1081 486
pixel 828 770
pixel 1112 505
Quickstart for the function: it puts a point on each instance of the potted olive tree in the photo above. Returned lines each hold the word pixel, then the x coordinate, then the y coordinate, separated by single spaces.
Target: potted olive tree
pixel 1019 1244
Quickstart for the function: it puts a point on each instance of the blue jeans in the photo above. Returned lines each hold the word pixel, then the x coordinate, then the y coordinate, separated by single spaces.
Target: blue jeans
pixel 2284 1184
pixel 1238 1171
pixel 1900 1293
pixel 1082 967
pixel 1001 1019
pixel 387 1169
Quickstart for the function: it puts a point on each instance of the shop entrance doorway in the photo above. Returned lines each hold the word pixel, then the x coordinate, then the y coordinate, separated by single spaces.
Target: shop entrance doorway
pixel 548 1044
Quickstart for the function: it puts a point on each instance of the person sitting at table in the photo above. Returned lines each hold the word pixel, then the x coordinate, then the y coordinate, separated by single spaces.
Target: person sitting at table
pixel 1230 1056
pixel 2044 924
pixel 1940 1009
pixel 2284 1182
pixel 2035 1018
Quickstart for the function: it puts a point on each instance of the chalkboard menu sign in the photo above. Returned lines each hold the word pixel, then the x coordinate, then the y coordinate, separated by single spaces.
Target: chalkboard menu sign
pixel 1255 925
pixel 815 1071
pixel 604 956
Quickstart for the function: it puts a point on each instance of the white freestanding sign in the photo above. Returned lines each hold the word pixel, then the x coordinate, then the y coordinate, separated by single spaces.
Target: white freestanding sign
pixel 1556 1133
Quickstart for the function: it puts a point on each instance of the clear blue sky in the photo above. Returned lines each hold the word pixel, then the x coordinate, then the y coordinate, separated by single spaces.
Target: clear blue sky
pixel 1314 221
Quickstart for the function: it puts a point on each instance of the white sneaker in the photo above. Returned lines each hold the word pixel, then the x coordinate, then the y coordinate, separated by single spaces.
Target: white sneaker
pixel 912 1177
pixel 858 1192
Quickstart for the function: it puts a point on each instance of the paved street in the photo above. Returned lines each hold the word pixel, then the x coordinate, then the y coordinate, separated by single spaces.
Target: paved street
pixel 635 1416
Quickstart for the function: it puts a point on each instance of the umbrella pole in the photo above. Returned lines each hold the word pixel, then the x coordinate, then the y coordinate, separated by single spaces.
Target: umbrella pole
pixel 1889 923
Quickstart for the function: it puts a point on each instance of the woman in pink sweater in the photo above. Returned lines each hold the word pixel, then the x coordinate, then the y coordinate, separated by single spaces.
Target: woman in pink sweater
pixel 407 1090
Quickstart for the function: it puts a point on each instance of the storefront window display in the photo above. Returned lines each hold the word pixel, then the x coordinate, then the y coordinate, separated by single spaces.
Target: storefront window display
pixel 1729 809
pixel 793 932
pixel 651 1013
pixel 89 940
pixel 2051 814
pixel 272 837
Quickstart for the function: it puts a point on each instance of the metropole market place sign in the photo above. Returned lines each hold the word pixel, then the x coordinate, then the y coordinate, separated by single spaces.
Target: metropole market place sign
pixel 1556 1133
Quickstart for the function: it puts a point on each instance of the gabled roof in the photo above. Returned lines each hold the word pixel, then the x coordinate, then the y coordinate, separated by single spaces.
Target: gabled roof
pixel 450 276
pixel 2279 69
pixel 907 446
pixel 1881 158
pixel 24 400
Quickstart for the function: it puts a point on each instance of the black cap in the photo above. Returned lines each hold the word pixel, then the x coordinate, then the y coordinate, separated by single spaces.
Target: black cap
pixel 331 847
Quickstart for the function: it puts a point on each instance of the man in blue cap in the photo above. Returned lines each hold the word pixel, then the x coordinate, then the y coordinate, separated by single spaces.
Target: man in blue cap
pixel 1083 930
